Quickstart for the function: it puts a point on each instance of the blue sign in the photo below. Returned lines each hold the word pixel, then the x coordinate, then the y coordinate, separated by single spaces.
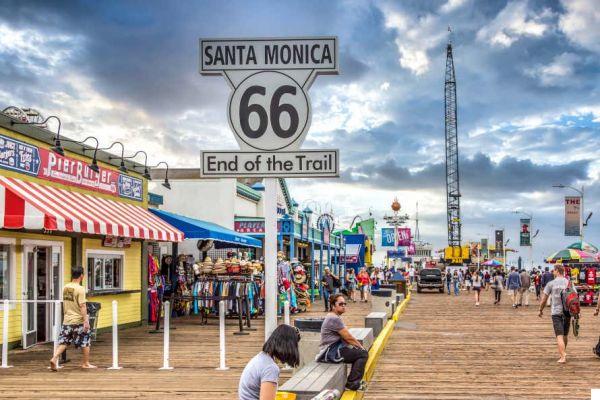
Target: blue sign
pixel 396 254
pixel 19 156
pixel 387 237
pixel 130 187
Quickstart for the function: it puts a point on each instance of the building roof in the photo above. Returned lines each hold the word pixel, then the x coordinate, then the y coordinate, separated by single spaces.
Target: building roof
pixel 46 136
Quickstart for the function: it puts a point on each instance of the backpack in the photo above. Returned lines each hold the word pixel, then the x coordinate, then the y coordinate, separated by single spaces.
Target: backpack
pixel 570 301
pixel 596 349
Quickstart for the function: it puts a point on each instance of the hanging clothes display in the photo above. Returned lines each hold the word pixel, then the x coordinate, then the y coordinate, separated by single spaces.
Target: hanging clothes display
pixel 156 284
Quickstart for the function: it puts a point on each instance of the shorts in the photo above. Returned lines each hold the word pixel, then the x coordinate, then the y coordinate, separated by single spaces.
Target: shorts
pixel 75 335
pixel 561 324
pixel 477 289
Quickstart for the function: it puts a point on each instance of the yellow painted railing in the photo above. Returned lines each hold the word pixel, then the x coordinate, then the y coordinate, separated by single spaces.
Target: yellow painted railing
pixel 374 354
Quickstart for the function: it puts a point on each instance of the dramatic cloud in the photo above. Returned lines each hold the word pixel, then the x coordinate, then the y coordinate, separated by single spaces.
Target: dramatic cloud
pixel 581 23
pixel 528 79
pixel 415 37
pixel 516 20
pixel 554 74
pixel 479 175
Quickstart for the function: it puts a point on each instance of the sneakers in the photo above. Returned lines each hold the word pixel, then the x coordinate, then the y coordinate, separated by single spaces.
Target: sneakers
pixel 361 387
pixel 477 304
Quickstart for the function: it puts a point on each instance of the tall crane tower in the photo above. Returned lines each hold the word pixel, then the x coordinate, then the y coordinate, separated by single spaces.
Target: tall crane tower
pixel 452 175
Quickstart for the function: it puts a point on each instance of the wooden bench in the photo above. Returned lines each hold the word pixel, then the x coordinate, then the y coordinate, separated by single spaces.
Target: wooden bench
pixel 376 321
pixel 315 377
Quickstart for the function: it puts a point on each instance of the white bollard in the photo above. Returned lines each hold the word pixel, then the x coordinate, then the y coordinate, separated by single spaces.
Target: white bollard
pixel 286 320
pixel 286 312
pixel 57 325
pixel 167 321
pixel 5 335
pixel 222 366
pixel 115 336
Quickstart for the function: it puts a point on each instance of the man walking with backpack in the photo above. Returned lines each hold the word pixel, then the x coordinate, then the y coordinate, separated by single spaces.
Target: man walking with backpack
pixel 561 318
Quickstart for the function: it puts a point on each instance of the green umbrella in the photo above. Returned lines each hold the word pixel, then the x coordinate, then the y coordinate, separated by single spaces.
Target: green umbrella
pixel 584 246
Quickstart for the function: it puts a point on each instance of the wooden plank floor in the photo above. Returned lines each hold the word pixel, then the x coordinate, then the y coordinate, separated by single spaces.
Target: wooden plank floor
pixel 446 348
pixel 194 354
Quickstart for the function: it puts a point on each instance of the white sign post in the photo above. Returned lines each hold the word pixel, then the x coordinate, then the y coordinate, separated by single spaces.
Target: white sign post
pixel 269 112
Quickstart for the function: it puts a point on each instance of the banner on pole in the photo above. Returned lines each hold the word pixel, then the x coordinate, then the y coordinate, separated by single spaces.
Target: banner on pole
pixel 572 216
pixel 525 232
pixel 404 237
pixel 499 242
pixel 484 248
pixel 387 237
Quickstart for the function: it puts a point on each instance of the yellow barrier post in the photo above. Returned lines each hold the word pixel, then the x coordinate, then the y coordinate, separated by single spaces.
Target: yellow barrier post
pixel 374 354
pixel 377 349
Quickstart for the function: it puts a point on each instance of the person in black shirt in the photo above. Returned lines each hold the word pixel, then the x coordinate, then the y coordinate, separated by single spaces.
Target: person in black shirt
pixel 329 283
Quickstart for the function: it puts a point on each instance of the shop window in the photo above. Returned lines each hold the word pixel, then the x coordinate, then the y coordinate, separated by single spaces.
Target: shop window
pixel 5 260
pixel 105 272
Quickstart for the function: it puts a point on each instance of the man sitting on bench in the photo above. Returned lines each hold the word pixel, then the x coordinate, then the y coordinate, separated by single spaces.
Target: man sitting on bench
pixel 338 345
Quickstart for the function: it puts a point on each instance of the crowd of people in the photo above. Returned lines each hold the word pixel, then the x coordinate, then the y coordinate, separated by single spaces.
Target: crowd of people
pixel 551 288
pixel 358 286
pixel 519 283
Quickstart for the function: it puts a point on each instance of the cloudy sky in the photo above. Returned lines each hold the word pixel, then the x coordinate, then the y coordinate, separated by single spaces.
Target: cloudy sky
pixel 528 79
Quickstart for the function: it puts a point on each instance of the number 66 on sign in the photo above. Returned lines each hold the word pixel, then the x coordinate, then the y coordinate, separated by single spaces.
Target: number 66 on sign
pixel 269 108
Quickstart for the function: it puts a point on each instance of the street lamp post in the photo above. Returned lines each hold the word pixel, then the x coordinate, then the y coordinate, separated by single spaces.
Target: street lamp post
pixel 396 220
pixel 530 216
pixel 505 261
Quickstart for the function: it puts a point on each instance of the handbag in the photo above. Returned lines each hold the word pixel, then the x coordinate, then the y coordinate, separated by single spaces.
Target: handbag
pixel 336 282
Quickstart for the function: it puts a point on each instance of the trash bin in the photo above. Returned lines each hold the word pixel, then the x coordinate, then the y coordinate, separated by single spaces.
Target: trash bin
pixel 381 301
pixel 400 282
pixel 390 286
pixel 93 310
pixel 310 332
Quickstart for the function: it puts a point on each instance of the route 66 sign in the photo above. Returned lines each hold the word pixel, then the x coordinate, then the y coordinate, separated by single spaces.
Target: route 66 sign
pixel 269 107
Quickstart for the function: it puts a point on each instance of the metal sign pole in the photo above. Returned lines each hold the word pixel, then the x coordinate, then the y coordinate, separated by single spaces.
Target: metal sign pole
pixel 270 212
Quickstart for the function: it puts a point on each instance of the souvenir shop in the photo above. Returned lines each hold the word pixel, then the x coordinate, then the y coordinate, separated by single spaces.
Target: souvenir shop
pixel 304 252
pixel 223 268
pixel 59 208
pixel 582 265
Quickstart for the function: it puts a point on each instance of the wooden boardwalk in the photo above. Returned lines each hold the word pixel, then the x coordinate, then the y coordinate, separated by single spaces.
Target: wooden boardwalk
pixel 446 348
pixel 194 354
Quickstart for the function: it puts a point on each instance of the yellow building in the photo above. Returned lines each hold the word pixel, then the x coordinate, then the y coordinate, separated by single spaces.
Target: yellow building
pixel 60 207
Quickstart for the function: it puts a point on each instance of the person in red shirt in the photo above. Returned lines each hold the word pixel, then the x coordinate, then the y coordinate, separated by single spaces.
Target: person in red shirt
pixel 537 281
pixel 364 282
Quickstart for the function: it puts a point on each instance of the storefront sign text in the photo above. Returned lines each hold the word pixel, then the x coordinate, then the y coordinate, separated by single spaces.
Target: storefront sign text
pixel 252 226
pixel 19 156
pixel 45 164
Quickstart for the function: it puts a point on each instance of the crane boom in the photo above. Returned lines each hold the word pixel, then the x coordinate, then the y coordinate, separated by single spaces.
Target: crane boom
pixel 452 175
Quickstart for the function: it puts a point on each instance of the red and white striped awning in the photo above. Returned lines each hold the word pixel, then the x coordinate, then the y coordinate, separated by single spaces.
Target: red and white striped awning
pixel 29 205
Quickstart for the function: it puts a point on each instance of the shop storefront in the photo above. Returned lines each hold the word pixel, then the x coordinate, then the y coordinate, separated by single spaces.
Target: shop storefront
pixel 223 269
pixel 59 210
pixel 301 244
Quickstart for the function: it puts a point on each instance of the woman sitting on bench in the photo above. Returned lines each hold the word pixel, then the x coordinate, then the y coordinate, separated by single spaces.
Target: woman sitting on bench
pixel 338 345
